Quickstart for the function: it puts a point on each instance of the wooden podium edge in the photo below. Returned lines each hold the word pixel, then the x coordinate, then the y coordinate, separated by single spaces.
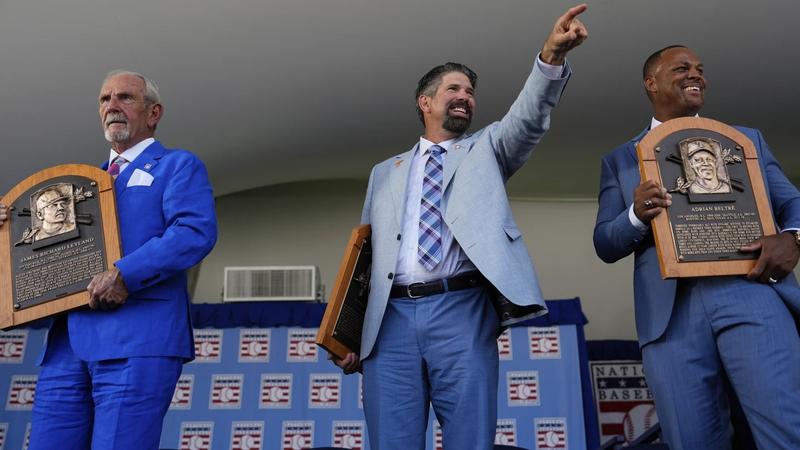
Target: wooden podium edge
pixel 113 252
pixel 325 337
pixel 662 233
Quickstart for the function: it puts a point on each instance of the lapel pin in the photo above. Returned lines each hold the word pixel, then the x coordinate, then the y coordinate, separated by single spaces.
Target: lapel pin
pixel 147 166
pixel 398 163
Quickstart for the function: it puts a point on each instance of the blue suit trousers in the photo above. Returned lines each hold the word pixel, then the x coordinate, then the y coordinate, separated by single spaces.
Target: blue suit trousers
pixel 109 404
pixel 438 350
pixel 726 326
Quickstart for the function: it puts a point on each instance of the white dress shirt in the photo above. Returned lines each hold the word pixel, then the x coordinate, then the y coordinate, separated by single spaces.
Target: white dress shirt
pixel 129 154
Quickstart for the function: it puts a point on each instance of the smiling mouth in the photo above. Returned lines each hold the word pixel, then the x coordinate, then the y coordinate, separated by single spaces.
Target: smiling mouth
pixel 692 89
pixel 460 110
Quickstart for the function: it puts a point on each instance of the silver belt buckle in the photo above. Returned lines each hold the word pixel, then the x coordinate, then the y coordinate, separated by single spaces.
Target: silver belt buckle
pixel 408 289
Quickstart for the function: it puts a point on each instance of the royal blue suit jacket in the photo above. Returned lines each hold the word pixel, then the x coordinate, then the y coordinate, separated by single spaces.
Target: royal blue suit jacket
pixel 165 228
pixel 615 237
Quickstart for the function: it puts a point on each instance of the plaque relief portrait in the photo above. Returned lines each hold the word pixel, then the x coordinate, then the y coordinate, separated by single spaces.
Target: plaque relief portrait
pixel 704 166
pixel 53 211
pixel 53 217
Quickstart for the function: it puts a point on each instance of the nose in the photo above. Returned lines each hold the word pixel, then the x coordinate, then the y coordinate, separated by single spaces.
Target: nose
pixel 112 105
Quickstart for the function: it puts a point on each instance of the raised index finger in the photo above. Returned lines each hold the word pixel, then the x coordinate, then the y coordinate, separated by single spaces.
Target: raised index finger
pixel 571 13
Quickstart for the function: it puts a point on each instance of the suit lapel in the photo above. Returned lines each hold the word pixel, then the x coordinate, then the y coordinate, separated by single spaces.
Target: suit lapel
pixel 398 180
pixel 146 161
pixel 634 142
pixel 454 157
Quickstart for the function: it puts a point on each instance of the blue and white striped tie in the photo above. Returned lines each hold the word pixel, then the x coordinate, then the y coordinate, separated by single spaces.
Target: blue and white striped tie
pixel 430 212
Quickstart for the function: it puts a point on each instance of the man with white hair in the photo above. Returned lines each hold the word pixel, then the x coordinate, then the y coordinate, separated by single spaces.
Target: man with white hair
pixel 109 371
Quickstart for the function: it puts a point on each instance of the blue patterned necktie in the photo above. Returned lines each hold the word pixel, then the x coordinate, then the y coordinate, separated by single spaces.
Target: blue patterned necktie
pixel 430 212
pixel 115 166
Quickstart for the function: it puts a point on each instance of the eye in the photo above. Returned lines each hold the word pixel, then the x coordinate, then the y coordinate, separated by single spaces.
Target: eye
pixel 105 99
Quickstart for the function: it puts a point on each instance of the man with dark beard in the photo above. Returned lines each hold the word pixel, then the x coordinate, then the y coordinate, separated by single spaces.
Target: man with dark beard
pixel 445 246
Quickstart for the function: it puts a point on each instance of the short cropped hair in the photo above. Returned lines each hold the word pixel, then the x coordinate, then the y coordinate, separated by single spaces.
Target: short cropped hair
pixel 652 60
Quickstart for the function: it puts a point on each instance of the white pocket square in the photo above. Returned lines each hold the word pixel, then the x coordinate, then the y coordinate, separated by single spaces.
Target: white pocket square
pixel 140 178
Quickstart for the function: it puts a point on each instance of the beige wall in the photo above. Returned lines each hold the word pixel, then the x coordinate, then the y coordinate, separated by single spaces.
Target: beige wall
pixel 309 224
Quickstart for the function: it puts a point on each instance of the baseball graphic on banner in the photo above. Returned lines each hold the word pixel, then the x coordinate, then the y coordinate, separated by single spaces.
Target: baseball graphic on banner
pixel 638 420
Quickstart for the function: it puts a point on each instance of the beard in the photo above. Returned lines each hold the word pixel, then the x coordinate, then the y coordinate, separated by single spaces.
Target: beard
pixel 117 136
pixel 456 124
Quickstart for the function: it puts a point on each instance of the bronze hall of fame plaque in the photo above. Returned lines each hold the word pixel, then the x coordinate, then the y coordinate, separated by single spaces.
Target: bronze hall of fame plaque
pixel 340 330
pixel 61 231
pixel 719 202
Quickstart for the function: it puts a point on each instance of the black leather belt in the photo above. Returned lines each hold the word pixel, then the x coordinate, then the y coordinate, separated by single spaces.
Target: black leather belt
pixel 422 289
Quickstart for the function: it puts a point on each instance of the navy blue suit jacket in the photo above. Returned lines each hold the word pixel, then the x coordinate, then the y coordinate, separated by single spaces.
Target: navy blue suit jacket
pixel 615 237
pixel 165 228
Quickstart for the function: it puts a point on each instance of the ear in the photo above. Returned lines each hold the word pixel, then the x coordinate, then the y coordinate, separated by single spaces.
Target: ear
pixel 424 103
pixel 154 116
pixel 650 85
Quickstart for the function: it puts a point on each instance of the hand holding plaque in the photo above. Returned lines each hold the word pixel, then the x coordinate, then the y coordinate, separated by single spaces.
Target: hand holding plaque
pixel 107 290
pixel 777 257
pixel 649 199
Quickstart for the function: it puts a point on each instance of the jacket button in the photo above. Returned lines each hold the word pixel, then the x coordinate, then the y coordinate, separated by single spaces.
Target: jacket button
pixel 398 236
pixel 391 275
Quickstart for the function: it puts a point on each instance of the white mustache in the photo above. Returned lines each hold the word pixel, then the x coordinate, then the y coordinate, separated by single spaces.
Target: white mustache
pixel 116 117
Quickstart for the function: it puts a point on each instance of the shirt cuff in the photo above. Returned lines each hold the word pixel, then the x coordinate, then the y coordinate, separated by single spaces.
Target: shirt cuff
pixel 550 71
pixel 638 224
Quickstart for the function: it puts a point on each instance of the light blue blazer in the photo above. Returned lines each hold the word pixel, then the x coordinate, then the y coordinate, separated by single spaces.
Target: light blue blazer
pixel 165 228
pixel 615 237
pixel 475 205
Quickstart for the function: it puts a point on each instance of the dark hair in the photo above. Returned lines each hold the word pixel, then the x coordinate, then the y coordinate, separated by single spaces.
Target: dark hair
pixel 653 59
pixel 430 81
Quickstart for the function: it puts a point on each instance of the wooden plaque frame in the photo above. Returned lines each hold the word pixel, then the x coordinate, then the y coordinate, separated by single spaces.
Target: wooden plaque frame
pixel 671 266
pixel 327 335
pixel 9 317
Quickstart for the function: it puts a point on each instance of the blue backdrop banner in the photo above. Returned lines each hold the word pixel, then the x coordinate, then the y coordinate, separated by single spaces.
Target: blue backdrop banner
pixel 260 382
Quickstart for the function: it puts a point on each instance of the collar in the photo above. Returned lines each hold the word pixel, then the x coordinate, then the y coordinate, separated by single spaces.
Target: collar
pixel 425 145
pixel 655 122
pixel 131 153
